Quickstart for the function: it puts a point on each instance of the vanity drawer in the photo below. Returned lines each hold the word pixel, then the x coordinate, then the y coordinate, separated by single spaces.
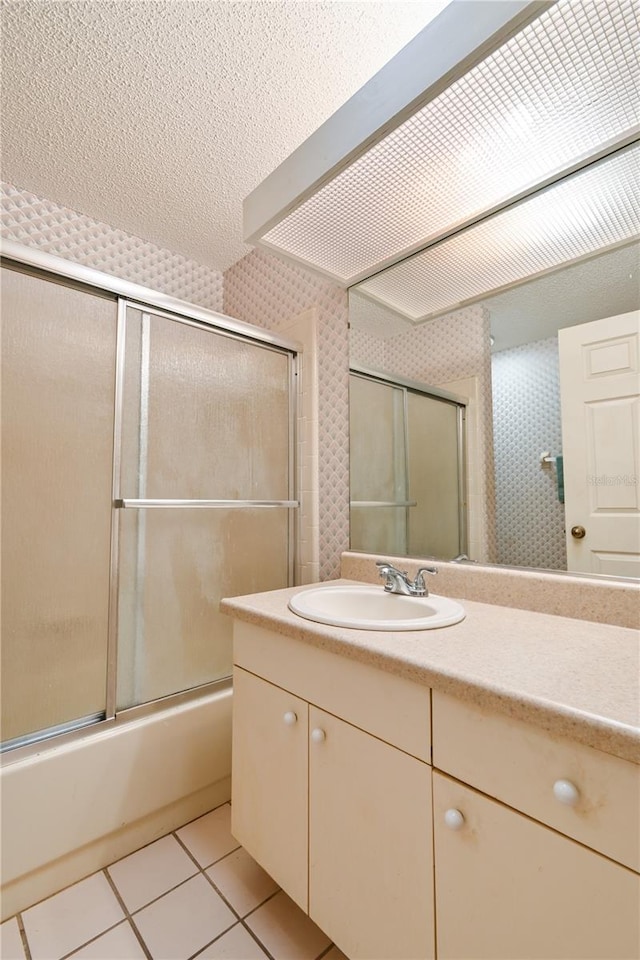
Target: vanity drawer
pixel 523 767
pixel 391 708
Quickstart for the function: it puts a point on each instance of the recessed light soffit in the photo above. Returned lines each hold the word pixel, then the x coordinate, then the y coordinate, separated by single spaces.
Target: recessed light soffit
pixel 585 214
pixel 559 93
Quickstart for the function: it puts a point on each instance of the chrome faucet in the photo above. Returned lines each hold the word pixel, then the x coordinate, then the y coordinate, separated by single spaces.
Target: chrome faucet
pixel 397 581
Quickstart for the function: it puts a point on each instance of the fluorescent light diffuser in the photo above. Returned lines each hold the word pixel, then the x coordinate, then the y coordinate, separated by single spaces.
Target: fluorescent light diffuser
pixel 584 214
pixel 560 92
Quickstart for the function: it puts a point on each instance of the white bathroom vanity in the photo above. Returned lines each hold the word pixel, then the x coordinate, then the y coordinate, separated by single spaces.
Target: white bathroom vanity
pixel 469 791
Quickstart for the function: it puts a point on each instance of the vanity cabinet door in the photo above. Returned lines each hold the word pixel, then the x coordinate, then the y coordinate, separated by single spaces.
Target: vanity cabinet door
pixel 269 780
pixel 370 843
pixel 508 888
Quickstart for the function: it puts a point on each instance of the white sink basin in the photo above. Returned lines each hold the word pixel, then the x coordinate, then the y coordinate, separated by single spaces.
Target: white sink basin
pixel 370 608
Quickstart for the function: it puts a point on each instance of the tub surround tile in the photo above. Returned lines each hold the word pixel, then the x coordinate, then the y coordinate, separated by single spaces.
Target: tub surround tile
pixel 209 838
pixel 286 931
pixel 571 677
pixel 236 944
pixel 10 941
pixel 582 598
pixel 119 943
pixel 69 919
pixel 150 872
pixel 241 881
pixel 184 921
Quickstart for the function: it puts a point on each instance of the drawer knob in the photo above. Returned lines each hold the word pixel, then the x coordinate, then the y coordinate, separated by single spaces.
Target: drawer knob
pixel 290 718
pixel 566 792
pixel 318 735
pixel 454 819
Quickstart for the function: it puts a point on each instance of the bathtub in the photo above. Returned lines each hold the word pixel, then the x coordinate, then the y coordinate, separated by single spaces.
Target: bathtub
pixel 75 807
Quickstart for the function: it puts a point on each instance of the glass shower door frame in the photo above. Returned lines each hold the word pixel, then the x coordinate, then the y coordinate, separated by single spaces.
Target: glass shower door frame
pixel 120 503
pixel 58 270
pixel 413 386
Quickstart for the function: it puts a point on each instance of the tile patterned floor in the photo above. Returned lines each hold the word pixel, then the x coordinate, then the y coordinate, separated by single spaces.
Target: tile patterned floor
pixel 192 894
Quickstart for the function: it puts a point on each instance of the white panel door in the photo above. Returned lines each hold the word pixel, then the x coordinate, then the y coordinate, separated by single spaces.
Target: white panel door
pixel 600 399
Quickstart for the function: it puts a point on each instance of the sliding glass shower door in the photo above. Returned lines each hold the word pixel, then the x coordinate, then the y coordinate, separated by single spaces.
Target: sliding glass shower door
pixel 408 485
pixel 147 471
pixel 379 477
pixel 205 497
pixel 58 372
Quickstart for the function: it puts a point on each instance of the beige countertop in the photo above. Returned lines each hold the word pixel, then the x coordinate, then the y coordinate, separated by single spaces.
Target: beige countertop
pixel 574 678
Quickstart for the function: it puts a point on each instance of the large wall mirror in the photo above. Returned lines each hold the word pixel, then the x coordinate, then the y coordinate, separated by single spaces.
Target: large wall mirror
pixel 484 185
pixel 501 353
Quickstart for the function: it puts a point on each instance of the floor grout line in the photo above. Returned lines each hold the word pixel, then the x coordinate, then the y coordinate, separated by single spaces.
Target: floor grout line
pixel 257 939
pixel 266 900
pixel 144 906
pixel 23 936
pixel 86 943
pixel 241 919
pixel 129 916
pixel 324 952
pixel 193 956
pixel 132 922
pixel 222 896
pixel 193 857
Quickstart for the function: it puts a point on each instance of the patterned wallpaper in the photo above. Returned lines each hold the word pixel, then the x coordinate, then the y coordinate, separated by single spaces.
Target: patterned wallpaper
pixel 366 349
pixel 526 402
pixel 266 291
pixel 259 289
pixel 448 348
pixel 41 223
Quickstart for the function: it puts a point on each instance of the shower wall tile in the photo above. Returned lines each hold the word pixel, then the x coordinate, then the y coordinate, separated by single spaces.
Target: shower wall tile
pixel 40 223
pixel 268 292
pixel 530 523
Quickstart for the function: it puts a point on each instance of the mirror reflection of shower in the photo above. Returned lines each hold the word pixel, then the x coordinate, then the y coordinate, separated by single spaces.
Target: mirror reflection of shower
pixel 407 463
pixel 516 511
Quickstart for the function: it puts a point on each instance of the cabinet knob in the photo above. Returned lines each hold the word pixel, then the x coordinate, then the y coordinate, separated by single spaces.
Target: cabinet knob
pixel 318 735
pixel 290 718
pixel 454 819
pixel 566 792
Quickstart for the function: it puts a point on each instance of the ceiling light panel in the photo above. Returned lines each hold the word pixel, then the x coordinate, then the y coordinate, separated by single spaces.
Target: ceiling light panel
pixel 575 218
pixel 549 98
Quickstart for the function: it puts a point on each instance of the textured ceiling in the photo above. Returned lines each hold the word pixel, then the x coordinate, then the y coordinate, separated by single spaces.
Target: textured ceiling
pixel 159 116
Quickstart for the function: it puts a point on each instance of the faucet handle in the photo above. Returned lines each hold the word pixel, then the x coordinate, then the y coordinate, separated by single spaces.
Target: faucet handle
pixel 395 581
pixel 419 586
pixel 386 568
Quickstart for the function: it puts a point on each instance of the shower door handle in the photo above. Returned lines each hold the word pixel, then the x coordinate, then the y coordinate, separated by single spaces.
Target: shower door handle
pixel 140 504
